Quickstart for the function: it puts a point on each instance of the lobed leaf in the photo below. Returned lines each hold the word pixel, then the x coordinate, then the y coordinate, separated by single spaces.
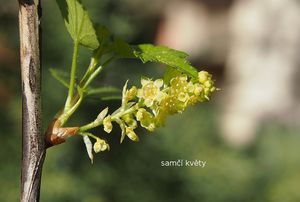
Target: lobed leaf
pixel 104 38
pixel 103 34
pixel 108 98
pixel 122 49
pixel 102 90
pixel 161 54
pixel 78 23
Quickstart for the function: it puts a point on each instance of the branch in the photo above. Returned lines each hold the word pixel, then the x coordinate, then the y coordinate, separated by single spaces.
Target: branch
pixel 33 149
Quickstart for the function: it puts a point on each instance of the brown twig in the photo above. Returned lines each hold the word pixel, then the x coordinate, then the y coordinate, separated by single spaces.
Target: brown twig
pixel 33 149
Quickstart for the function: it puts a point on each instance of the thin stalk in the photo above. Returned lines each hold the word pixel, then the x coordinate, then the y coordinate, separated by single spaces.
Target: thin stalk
pixel 91 69
pixel 91 125
pixel 63 118
pixel 115 117
pixel 72 77
pixel 74 101
pixel 88 72
pixel 88 134
pixel 92 77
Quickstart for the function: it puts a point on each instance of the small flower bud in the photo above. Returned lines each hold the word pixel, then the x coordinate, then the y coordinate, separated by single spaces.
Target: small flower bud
pixel 207 91
pixel 131 93
pixel 208 83
pixel 129 120
pixel 183 97
pixel 97 147
pixel 107 124
pixel 139 114
pixel 146 119
pixel 151 127
pixel 131 134
pixel 100 145
pixel 159 83
pixel 198 89
pixel 190 87
pixel 203 76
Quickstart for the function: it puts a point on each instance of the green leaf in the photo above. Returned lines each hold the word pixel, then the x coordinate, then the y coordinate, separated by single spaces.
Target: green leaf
pixel 117 46
pixel 108 98
pixel 169 74
pixel 123 49
pixel 103 34
pixel 61 76
pixel 104 93
pixel 161 54
pixel 103 90
pixel 78 23
pixel 104 38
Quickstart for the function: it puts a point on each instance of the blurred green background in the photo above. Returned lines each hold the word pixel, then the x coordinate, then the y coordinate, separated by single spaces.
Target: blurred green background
pixel 267 170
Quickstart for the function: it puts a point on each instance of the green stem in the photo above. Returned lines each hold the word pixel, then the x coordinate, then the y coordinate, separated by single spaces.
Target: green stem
pixel 72 77
pixel 122 113
pixel 73 101
pixel 66 115
pixel 91 73
pixel 88 72
pixel 115 117
pixel 91 125
pixel 92 77
pixel 94 61
pixel 88 134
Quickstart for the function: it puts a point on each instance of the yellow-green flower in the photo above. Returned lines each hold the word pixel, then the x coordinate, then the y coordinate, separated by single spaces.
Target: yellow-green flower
pixel 107 124
pixel 150 91
pixel 146 119
pixel 183 97
pixel 130 121
pixel 197 89
pixel 190 87
pixel 100 145
pixel 131 134
pixel 203 76
pixel 207 85
pixel 158 100
pixel 131 93
pixel 160 117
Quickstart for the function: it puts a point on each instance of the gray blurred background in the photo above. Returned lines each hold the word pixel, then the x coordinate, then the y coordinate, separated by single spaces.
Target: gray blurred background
pixel 248 134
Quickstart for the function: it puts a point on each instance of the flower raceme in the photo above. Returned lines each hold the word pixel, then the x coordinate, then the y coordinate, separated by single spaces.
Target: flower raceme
pixel 152 103
pixel 179 94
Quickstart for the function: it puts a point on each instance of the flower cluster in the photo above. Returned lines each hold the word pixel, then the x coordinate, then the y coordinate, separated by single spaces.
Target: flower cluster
pixel 175 97
pixel 149 105
pixel 156 100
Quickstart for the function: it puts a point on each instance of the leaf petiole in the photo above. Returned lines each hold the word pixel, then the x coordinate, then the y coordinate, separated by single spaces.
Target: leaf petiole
pixel 69 100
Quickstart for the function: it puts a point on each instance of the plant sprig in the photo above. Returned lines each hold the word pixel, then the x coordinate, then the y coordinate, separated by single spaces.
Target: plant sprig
pixel 182 86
